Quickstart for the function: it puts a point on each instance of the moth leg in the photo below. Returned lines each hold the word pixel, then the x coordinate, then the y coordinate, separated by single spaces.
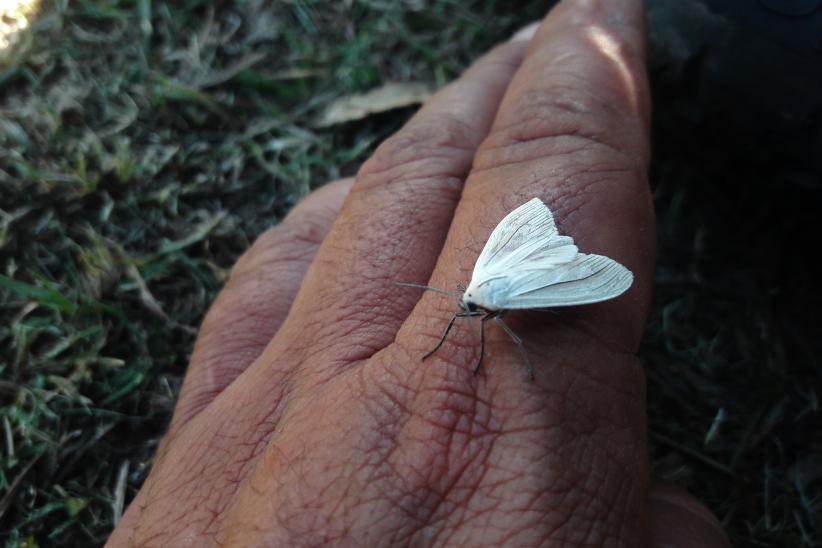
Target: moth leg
pixel 448 330
pixel 482 339
pixel 518 342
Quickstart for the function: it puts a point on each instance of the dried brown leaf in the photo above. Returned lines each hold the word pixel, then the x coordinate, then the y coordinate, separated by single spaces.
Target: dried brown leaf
pixel 384 98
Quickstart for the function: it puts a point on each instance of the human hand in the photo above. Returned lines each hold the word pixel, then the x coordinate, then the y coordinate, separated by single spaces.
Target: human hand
pixel 307 417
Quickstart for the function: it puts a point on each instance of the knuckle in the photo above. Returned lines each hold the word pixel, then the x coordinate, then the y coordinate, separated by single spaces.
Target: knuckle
pixel 432 433
pixel 293 240
pixel 447 434
pixel 356 327
pixel 248 310
pixel 561 121
pixel 254 302
pixel 235 333
pixel 553 108
pixel 429 147
pixel 303 227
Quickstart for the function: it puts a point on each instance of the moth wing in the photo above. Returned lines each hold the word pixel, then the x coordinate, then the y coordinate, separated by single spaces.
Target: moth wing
pixel 527 234
pixel 585 280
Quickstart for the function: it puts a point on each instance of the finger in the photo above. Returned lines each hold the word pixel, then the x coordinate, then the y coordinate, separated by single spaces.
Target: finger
pixel 571 130
pixel 238 326
pixel 394 221
pixel 678 520
pixel 256 299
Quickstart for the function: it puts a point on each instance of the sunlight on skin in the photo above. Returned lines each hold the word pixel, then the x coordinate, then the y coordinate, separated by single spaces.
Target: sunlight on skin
pixel 610 47
pixel 14 18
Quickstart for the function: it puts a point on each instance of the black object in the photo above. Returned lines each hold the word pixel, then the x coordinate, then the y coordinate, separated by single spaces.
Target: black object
pixel 794 24
pixel 743 75
pixel 796 8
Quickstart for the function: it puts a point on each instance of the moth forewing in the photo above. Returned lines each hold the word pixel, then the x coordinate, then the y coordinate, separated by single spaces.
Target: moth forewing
pixel 529 222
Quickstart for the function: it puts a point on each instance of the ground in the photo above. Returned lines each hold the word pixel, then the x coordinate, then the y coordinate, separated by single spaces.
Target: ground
pixel 143 146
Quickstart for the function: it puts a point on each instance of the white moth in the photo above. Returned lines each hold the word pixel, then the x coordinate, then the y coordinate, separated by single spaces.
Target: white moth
pixel 527 264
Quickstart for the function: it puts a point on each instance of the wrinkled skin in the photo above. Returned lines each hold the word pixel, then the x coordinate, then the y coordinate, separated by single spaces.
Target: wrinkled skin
pixel 306 416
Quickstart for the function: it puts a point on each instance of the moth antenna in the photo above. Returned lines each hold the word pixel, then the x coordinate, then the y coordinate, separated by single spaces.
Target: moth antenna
pixel 429 288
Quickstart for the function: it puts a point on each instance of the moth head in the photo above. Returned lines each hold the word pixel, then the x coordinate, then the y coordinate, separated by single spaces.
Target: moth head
pixel 467 304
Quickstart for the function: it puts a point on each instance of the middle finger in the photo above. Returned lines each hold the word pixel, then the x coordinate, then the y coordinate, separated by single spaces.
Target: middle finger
pixel 394 221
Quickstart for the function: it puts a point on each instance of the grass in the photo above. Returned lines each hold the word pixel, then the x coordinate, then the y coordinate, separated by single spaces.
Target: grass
pixel 143 146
